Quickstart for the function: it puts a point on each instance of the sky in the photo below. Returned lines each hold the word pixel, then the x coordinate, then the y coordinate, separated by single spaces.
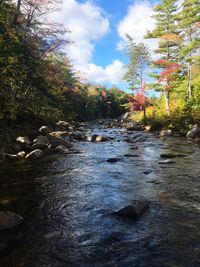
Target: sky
pixel 98 29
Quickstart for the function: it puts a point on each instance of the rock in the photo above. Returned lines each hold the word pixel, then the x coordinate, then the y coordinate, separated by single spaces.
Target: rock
pixel 134 147
pixel 40 142
pixel 78 136
pixel 113 160
pixel 61 149
pixel 171 155
pixel 23 140
pixel 97 138
pixel 35 154
pixel 60 142
pixel 21 154
pixel 134 210
pixel 58 134
pixel 11 156
pixel 63 124
pixel 131 155
pixel 165 133
pixel 194 133
pixel 147 172
pixel 148 128
pixel 44 130
pixel 9 220
pixel 167 161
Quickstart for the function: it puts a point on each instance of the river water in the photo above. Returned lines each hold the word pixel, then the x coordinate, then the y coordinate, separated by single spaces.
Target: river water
pixel 67 203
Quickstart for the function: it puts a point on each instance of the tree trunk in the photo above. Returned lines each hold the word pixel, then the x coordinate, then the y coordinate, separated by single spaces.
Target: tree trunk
pixel 189 91
pixel 167 93
pixel 17 12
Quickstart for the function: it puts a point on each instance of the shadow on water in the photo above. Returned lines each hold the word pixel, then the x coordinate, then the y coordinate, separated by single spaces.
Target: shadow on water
pixel 67 204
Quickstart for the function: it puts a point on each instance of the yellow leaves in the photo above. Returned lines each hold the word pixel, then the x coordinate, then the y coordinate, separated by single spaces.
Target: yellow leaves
pixel 172 38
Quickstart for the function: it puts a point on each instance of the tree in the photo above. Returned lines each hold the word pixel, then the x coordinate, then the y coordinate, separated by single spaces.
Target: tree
pixel 138 61
pixel 189 19
pixel 169 38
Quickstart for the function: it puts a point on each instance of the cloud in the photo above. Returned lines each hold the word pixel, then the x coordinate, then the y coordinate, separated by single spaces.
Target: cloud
pixel 112 73
pixel 137 21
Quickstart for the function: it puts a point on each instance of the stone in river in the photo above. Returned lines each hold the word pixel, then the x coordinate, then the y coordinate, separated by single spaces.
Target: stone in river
pixel 133 211
pixel 113 160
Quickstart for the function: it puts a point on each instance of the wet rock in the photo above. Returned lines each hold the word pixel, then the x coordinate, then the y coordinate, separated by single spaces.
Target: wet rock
pixel 78 136
pixel 9 220
pixel 58 134
pixel 21 154
pixel 63 125
pixel 134 147
pixel 40 142
pixel 61 149
pixel 131 155
pixel 167 161
pixel 60 142
pixel 134 210
pixel 147 172
pixel 45 130
pixel 35 154
pixel 11 156
pixel 97 138
pixel 194 133
pixel 23 140
pixel 113 160
pixel 135 127
pixel 165 133
pixel 172 155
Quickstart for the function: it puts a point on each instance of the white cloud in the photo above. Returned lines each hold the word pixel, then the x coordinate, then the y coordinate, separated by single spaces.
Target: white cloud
pixel 137 21
pixel 112 73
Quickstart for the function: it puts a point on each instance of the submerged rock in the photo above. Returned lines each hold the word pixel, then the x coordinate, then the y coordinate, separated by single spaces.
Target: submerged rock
pixel 113 160
pixel 134 210
pixel 35 154
pixel 9 220
pixel 131 155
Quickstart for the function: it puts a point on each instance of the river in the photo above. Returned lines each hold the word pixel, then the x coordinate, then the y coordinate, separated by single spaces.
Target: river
pixel 67 203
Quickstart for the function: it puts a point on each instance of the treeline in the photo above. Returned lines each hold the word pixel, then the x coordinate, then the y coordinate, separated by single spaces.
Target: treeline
pixel 36 79
pixel 175 67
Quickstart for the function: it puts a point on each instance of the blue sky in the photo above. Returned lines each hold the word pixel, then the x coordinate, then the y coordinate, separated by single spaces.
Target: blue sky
pixel 98 29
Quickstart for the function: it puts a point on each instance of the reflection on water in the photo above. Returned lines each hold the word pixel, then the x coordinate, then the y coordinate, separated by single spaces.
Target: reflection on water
pixel 67 204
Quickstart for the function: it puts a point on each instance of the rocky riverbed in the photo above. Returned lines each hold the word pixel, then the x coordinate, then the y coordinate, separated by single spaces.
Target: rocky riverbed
pixel 131 200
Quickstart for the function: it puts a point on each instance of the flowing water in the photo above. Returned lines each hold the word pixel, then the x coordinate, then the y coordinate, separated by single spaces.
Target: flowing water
pixel 67 203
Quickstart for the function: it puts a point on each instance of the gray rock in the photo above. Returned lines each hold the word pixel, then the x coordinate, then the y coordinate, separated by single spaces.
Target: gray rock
pixel 23 140
pixel 63 124
pixel 134 210
pixel 9 220
pixel 35 154
pixel 113 160
pixel 194 133
pixel 45 130
pixel 60 142
pixel 165 133
pixel 40 142
pixel 61 149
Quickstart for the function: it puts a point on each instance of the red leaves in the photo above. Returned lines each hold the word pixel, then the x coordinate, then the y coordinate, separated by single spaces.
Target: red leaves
pixel 168 74
pixel 139 100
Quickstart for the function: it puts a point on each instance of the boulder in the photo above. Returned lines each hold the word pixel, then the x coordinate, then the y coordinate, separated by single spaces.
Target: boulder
pixel 63 124
pixel 61 149
pixel 23 140
pixel 60 142
pixel 58 134
pixel 9 220
pixel 134 210
pixel 40 142
pixel 35 154
pixel 45 130
pixel 165 133
pixel 194 133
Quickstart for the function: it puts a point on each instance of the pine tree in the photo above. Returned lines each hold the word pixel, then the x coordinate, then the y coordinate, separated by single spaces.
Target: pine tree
pixel 167 32
pixel 189 23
